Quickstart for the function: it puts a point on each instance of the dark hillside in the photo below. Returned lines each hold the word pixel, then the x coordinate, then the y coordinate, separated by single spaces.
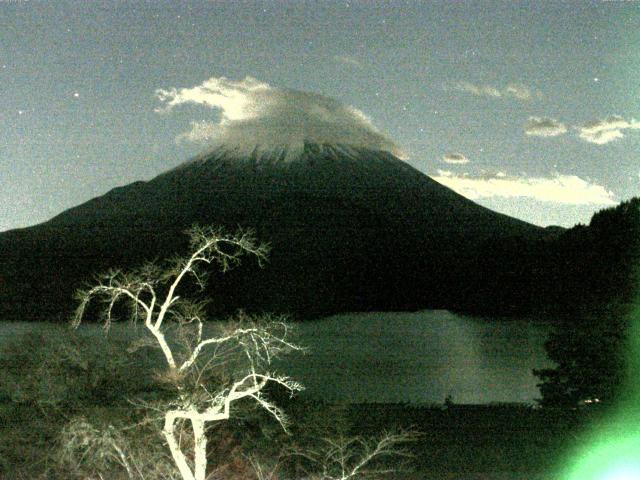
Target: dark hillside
pixel 350 229
pixel 584 271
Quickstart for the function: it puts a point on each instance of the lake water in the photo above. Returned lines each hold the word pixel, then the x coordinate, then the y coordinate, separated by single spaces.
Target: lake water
pixel 410 357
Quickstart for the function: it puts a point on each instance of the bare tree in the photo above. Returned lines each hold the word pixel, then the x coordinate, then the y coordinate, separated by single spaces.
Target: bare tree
pixel 343 458
pixel 359 458
pixel 195 360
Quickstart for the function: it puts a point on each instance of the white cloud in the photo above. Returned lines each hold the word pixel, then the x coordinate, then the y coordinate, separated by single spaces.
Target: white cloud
pixel 564 189
pixel 348 60
pixel 233 98
pixel 253 113
pixel 514 90
pixel 201 132
pixel 455 158
pixel 604 131
pixel 484 90
pixel 544 127
pixel 519 91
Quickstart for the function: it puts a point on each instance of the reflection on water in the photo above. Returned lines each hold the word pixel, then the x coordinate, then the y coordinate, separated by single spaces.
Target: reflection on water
pixel 405 357
pixel 420 357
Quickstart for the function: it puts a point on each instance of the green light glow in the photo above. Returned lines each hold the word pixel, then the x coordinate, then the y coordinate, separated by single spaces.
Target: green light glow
pixel 611 451
pixel 615 459
pixel 623 473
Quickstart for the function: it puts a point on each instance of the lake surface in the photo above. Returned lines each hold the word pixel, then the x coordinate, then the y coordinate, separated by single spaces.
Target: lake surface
pixel 408 357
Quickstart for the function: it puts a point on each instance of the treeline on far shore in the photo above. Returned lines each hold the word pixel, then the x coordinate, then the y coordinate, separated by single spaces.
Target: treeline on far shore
pixel 585 271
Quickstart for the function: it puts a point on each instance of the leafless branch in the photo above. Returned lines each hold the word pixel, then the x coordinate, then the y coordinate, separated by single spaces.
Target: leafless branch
pixel 151 292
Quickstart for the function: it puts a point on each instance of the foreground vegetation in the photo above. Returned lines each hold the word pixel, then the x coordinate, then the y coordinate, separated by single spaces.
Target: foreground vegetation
pixel 107 412
pixel 490 442
pixel 204 404
pixel 50 386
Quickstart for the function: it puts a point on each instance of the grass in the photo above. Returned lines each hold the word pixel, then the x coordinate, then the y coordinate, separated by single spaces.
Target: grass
pixel 488 440
pixel 491 441
pixel 46 381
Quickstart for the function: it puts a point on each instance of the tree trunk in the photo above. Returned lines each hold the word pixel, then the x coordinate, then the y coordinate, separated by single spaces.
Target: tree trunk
pixel 200 448
pixel 178 456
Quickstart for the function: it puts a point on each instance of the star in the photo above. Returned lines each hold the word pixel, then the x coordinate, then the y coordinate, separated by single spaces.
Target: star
pixel 76 94
pixel 596 79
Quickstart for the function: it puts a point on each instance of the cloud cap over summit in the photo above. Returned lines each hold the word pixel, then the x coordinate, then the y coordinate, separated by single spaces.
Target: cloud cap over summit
pixel 253 113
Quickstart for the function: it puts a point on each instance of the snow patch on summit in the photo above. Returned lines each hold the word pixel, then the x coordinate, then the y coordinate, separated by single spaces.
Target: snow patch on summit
pixel 282 155
pixel 255 117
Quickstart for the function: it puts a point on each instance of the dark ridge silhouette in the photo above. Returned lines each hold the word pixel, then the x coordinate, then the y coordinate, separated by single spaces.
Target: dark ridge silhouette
pixel 351 229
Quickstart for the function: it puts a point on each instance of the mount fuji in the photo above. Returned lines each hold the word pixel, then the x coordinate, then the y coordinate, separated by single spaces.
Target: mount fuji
pixel 350 228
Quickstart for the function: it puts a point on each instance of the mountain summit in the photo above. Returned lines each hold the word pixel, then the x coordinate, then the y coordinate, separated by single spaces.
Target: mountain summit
pixel 231 184
pixel 350 228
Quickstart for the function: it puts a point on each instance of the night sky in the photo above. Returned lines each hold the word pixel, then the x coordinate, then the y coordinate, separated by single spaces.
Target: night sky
pixel 531 109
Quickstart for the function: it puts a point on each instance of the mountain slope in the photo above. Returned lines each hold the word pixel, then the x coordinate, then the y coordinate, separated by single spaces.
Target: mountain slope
pixel 350 229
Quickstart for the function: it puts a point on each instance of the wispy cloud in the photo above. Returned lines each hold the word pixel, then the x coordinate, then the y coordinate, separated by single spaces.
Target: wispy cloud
pixel 455 158
pixel 348 60
pixel 479 90
pixel 251 113
pixel 200 132
pixel 604 131
pixel 564 189
pixel 518 91
pixel 513 90
pixel 544 127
